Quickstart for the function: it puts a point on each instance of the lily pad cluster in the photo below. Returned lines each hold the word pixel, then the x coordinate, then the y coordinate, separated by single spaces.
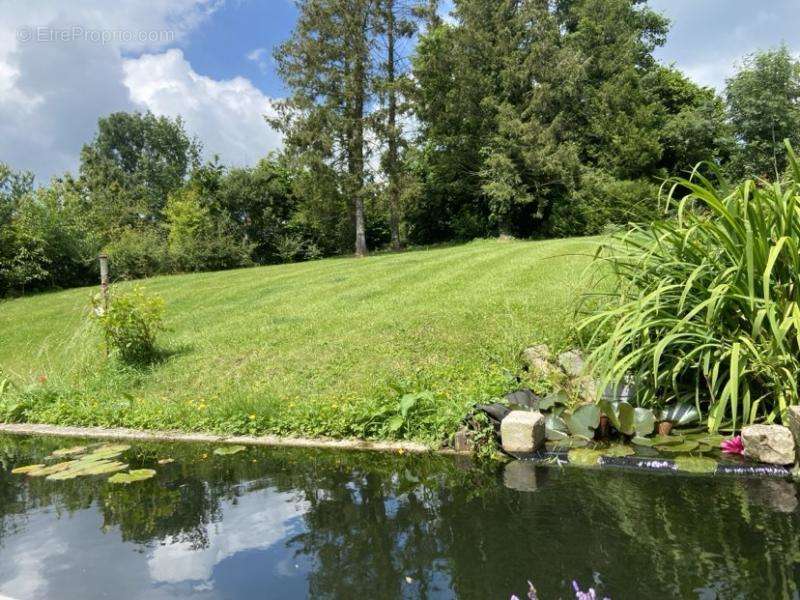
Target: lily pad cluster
pixel 98 459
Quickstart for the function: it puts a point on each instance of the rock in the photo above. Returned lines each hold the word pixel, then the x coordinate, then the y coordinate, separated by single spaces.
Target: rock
pixel 521 475
pixel 793 422
pixel 522 431
pixel 588 389
pixel 773 444
pixel 572 362
pixel 537 360
pixel 523 398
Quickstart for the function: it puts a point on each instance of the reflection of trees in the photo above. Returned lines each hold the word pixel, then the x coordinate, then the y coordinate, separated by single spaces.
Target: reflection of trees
pixel 374 520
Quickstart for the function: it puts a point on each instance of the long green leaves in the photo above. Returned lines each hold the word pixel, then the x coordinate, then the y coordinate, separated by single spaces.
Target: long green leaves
pixel 707 308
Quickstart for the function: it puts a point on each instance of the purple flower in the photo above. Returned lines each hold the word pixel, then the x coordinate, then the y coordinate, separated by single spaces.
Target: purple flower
pixel 733 445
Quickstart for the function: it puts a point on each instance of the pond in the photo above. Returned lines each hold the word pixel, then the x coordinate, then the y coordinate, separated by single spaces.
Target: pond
pixel 296 523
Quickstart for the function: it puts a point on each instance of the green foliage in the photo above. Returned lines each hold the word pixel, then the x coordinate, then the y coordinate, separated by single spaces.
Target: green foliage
pixel 132 165
pixel 602 200
pixel 314 349
pixel 137 252
pixel 707 307
pixel 764 108
pixel 131 323
pixel 196 241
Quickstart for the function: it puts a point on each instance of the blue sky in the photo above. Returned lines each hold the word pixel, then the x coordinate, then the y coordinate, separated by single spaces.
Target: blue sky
pixel 214 67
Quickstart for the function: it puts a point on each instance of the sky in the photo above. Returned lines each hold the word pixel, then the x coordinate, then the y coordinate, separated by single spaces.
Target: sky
pixel 64 64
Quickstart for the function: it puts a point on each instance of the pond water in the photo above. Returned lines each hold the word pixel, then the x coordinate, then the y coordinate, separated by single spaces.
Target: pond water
pixel 290 523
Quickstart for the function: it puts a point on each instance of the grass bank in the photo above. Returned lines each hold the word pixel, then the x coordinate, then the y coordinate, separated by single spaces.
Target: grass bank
pixel 324 348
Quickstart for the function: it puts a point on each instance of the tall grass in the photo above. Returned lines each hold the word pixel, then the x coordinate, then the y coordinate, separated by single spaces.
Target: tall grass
pixel 707 305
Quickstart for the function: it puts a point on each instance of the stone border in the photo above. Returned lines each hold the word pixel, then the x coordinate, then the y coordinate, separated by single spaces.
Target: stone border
pixel 178 436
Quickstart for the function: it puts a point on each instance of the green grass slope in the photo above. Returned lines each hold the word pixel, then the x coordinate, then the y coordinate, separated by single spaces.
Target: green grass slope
pixel 317 348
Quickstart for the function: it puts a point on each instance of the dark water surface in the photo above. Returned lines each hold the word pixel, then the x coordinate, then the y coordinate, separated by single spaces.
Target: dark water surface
pixel 287 523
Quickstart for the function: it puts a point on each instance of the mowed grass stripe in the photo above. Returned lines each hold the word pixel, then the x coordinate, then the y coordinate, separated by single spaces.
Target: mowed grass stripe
pixel 302 348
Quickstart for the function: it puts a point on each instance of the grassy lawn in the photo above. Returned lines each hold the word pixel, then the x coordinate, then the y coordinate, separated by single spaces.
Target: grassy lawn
pixel 317 348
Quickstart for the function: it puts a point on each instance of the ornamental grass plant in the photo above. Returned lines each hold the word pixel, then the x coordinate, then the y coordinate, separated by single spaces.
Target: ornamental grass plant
pixel 706 304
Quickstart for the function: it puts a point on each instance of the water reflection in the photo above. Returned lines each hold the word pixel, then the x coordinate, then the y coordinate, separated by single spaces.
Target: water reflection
pixel 298 523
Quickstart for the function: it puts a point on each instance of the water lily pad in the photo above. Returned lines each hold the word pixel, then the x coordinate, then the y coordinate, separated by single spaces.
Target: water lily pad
pixel 584 420
pixel 585 457
pixel 166 461
pixel 132 476
pixel 687 446
pixel 549 401
pixel 695 464
pixel 643 441
pixel 68 451
pixel 26 469
pixel 713 440
pixel 644 421
pixel 617 450
pixel 90 468
pixel 626 416
pixel 226 450
pixel 555 428
pixel 566 444
pixel 668 440
pixel 54 468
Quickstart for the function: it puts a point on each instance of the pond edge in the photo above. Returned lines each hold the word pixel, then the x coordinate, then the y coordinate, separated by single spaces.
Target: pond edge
pixel 178 436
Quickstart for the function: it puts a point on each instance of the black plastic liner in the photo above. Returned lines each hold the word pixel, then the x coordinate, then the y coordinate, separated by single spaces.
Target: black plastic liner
pixel 661 465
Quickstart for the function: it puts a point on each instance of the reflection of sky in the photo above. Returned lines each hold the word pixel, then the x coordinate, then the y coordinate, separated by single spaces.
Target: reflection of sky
pixel 70 556
pixel 256 521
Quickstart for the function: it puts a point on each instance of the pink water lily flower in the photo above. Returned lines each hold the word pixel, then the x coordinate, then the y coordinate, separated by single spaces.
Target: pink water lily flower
pixel 733 445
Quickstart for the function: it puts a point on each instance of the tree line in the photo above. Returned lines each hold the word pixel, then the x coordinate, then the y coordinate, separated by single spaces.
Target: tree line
pixel 531 118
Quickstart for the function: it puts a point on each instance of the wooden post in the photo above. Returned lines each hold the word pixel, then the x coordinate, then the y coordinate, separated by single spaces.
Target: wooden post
pixel 104 279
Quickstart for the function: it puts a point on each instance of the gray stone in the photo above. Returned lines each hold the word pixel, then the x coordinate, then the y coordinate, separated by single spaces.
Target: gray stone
pixel 793 422
pixel 588 389
pixel 572 362
pixel 520 475
pixel 522 431
pixel 537 360
pixel 772 444
pixel 523 398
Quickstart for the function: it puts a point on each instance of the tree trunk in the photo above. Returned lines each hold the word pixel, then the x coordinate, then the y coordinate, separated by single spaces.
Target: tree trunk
pixel 393 142
pixel 356 153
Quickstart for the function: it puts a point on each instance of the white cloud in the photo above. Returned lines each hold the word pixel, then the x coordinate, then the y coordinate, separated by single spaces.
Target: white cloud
pixel 227 116
pixel 52 92
pixel 257 520
pixel 260 56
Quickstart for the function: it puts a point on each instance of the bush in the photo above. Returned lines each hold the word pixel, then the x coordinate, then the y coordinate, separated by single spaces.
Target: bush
pixel 602 201
pixel 198 242
pixel 135 253
pixel 707 304
pixel 131 323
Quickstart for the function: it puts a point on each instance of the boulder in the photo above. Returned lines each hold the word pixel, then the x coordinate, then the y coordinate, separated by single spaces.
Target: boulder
pixel 572 362
pixel 522 431
pixel 772 444
pixel 537 360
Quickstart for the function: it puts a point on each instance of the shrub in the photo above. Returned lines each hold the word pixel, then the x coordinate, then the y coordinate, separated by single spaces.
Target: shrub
pixel 131 323
pixel 196 240
pixel 135 253
pixel 707 303
pixel 602 201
